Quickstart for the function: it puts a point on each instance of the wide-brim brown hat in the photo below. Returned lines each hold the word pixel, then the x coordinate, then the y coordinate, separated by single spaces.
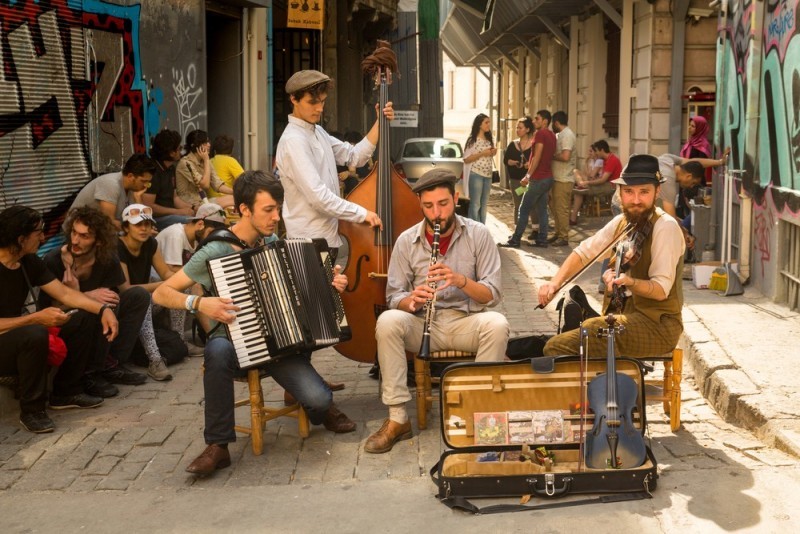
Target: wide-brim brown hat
pixel 304 79
pixel 432 178
pixel 642 169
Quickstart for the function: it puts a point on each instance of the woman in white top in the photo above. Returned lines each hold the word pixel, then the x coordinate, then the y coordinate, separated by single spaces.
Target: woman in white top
pixel 478 153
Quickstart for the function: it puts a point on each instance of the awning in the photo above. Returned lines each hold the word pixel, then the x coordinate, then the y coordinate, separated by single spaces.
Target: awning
pixel 474 37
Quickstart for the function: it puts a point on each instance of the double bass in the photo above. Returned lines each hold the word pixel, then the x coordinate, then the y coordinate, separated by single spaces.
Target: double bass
pixel 386 193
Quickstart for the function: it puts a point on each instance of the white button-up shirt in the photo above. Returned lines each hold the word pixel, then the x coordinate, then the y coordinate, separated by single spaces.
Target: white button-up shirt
pixel 306 158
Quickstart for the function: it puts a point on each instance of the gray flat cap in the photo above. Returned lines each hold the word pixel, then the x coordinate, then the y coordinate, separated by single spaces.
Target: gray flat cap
pixel 304 79
pixel 432 178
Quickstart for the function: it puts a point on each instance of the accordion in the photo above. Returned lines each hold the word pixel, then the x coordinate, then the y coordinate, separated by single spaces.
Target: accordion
pixel 287 302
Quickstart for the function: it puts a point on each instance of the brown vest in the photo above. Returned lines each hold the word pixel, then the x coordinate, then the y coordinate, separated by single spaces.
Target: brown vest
pixel 652 309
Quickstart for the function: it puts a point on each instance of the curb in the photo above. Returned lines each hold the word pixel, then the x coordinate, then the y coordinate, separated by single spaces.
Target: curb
pixel 730 391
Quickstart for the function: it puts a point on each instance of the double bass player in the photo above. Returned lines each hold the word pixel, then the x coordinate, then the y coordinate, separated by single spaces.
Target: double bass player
pixel 466 277
pixel 307 157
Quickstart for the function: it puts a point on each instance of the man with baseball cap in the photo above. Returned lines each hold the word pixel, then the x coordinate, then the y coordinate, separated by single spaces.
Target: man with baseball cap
pixel 467 282
pixel 177 243
pixel 649 286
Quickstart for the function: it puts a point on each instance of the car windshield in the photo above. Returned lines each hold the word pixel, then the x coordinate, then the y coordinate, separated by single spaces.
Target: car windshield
pixel 437 148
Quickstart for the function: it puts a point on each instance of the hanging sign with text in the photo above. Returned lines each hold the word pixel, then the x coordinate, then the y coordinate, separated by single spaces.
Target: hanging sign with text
pixel 404 119
pixel 306 14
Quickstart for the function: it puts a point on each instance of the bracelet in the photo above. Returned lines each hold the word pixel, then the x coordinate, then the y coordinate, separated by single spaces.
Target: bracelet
pixel 103 308
pixel 196 304
pixel 189 304
pixel 465 282
pixel 634 282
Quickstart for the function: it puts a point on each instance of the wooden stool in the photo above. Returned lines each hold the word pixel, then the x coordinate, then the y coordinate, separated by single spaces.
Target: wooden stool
pixel 422 374
pixel 260 414
pixel 670 385
pixel 596 205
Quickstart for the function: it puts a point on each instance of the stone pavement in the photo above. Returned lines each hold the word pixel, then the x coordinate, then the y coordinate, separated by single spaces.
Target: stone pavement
pixel 137 445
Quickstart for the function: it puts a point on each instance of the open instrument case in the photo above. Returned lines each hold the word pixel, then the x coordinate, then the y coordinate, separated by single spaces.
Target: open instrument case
pixel 523 406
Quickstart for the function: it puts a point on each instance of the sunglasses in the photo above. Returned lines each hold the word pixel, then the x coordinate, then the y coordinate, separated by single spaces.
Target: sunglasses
pixel 218 212
pixel 135 212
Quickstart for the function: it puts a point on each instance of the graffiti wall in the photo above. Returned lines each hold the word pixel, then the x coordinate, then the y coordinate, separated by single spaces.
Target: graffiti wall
pixel 758 63
pixel 86 83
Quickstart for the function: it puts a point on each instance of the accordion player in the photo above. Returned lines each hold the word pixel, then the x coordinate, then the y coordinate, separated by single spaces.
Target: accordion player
pixel 287 302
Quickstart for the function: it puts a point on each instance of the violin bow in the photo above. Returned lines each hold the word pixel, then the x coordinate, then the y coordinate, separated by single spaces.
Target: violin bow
pixel 619 237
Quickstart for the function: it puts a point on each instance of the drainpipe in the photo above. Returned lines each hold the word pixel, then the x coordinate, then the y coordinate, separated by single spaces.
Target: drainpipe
pixel 680 9
pixel 252 89
pixel 626 90
pixel 270 92
pixel 746 229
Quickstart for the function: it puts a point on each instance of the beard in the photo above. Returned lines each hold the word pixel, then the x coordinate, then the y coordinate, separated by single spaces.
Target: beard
pixel 444 225
pixel 639 215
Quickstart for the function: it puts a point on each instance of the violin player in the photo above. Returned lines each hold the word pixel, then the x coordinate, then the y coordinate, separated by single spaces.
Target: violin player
pixel 649 284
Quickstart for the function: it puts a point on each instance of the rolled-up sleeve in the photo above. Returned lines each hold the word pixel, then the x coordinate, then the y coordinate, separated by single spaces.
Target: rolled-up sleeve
pixel 487 267
pixel 400 279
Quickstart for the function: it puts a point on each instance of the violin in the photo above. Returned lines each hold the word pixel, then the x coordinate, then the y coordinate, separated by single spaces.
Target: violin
pixel 628 253
pixel 613 442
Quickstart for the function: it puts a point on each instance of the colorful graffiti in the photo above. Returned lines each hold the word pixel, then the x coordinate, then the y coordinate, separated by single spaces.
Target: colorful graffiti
pixel 71 99
pixel 765 143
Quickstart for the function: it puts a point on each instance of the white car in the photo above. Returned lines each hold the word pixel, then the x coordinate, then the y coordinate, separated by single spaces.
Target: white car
pixel 421 154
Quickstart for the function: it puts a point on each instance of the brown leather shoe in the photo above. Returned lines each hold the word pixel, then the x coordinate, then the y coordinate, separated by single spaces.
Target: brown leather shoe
pixel 390 433
pixel 288 398
pixel 213 458
pixel 337 422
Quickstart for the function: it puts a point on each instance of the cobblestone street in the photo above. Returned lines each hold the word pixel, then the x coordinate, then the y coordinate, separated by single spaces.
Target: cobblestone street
pixel 137 446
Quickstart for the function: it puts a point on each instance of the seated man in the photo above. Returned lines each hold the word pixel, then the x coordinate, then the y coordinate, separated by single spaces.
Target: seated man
pixel 88 262
pixel 110 193
pixel 168 208
pixel 468 269
pixel 177 244
pixel 24 338
pixel 258 200
pixel 652 280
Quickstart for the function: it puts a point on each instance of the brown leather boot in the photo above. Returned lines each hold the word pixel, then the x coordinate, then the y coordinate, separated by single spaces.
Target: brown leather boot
pixel 337 422
pixel 213 458
pixel 390 433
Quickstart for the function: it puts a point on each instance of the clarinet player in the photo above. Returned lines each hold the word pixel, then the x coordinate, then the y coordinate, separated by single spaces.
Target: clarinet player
pixel 466 278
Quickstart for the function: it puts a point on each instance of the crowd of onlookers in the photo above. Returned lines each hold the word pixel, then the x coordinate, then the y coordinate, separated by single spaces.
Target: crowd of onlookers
pixel 125 233
pixel 546 182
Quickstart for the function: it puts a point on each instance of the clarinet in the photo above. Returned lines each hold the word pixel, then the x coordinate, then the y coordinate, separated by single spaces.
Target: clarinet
pixel 430 305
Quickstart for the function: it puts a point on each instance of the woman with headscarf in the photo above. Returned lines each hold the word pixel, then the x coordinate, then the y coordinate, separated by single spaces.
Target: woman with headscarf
pixel 697 146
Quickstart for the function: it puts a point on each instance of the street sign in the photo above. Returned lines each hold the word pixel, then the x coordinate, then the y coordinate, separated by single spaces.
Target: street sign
pixel 305 14
pixel 405 119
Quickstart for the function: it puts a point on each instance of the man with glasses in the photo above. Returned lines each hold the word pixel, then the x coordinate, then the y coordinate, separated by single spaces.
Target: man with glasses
pixel 110 193
pixel 177 243
pixel 88 262
pixel 24 338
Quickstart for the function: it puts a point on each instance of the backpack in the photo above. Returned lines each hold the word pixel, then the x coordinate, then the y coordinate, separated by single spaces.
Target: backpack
pixel 573 309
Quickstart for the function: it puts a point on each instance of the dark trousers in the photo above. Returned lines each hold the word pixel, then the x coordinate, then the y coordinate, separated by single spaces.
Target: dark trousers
pixel 131 311
pixel 23 353
pixel 294 373
pixel 82 335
